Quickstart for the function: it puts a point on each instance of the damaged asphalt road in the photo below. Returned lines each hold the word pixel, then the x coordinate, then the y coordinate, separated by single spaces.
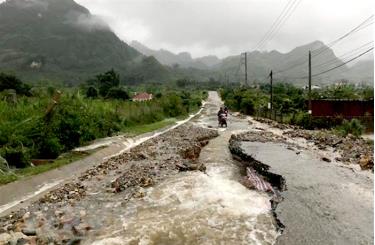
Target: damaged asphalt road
pixel 186 187
pixel 322 203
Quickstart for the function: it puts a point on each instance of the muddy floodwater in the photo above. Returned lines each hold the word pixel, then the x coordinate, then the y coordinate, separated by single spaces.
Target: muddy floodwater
pixel 184 186
pixel 197 207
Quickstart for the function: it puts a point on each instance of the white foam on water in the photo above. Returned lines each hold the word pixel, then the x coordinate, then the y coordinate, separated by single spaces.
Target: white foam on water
pixel 41 188
pixel 196 208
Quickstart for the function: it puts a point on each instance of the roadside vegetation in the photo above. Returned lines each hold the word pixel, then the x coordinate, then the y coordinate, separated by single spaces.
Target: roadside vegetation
pixel 44 122
pixel 289 104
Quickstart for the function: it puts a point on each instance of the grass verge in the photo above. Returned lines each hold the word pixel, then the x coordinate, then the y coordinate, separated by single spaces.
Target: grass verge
pixel 141 129
pixel 70 157
pixel 18 174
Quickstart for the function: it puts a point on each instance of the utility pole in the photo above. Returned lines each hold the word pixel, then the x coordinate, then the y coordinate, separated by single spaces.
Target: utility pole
pixel 244 63
pixel 246 69
pixel 271 97
pixel 310 109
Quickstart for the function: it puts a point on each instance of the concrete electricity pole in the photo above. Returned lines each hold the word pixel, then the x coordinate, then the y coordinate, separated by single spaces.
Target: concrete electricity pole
pixel 244 63
pixel 310 109
pixel 246 69
pixel 271 97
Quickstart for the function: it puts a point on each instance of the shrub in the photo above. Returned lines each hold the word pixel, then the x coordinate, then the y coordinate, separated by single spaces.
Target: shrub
pixel 302 119
pixel 247 106
pixel 118 93
pixel 16 156
pixel 92 92
pixel 50 147
pixel 353 127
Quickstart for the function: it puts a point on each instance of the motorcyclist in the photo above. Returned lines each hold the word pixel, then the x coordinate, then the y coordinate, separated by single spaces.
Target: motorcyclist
pixel 226 111
pixel 221 116
pixel 221 111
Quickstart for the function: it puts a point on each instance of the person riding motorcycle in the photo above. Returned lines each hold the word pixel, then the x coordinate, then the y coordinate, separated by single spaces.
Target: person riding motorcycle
pixel 221 111
pixel 221 116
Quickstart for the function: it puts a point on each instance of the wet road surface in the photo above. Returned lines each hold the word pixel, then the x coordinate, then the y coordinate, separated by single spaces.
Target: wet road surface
pixel 201 208
pixel 324 203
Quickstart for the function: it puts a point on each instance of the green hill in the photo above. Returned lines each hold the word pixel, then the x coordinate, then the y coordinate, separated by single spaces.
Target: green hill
pixel 59 39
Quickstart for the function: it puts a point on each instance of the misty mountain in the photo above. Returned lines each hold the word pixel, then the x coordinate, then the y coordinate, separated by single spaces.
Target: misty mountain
pixel 61 39
pixel 289 67
pixel 362 71
pixel 182 59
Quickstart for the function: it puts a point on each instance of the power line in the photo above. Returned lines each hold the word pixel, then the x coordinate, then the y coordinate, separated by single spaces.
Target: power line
pixel 277 24
pixel 335 60
pixel 274 24
pixel 361 26
pixel 275 32
pixel 356 29
pixel 323 72
pixel 333 68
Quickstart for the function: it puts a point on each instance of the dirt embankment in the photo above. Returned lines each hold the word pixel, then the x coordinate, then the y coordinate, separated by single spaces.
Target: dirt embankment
pixel 352 150
pixel 48 220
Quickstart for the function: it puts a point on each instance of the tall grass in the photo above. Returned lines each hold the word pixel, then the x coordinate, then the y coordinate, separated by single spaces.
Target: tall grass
pixel 26 132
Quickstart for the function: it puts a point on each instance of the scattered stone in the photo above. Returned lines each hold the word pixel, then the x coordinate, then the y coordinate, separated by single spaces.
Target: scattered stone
pixel 326 159
pixel 350 148
pixel 29 232
pixel 366 163
pixel 18 238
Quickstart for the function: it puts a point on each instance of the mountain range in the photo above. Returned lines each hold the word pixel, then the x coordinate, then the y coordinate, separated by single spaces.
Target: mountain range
pixel 183 59
pixel 291 66
pixel 62 40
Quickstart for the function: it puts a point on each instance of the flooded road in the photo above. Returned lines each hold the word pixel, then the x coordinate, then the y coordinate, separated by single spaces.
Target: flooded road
pixel 184 187
pixel 201 208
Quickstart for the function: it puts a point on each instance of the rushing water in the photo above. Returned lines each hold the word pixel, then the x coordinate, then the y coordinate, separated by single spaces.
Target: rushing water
pixel 199 208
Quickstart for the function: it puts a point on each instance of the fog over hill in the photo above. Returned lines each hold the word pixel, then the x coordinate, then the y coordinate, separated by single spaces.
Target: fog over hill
pixel 287 67
pixel 183 59
pixel 61 39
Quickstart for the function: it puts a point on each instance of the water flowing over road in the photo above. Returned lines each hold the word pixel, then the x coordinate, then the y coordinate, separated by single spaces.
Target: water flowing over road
pixel 201 208
pixel 185 187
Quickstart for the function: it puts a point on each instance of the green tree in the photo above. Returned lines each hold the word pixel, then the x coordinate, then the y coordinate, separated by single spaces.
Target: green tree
pixel 8 81
pixel 106 81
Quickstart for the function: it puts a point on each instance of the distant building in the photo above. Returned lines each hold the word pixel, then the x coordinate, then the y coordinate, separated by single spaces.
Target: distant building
pixel 142 97
pixel 313 87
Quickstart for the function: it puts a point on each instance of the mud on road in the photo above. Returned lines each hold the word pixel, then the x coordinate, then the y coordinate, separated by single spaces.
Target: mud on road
pixel 185 187
pixel 79 209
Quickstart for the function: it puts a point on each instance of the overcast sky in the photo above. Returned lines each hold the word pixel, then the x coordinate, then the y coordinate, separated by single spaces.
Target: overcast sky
pixel 228 27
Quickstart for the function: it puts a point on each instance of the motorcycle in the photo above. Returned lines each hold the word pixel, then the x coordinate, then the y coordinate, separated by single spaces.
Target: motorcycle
pixel 223 120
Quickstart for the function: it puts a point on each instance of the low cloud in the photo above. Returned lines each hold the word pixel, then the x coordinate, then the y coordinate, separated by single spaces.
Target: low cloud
pixel 227 27
pixel 86 22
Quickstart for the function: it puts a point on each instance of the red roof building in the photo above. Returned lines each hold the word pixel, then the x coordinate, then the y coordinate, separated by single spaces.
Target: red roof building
pixel 142 97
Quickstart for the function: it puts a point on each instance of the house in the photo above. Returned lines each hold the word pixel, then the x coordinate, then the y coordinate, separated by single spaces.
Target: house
pixel 142 97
